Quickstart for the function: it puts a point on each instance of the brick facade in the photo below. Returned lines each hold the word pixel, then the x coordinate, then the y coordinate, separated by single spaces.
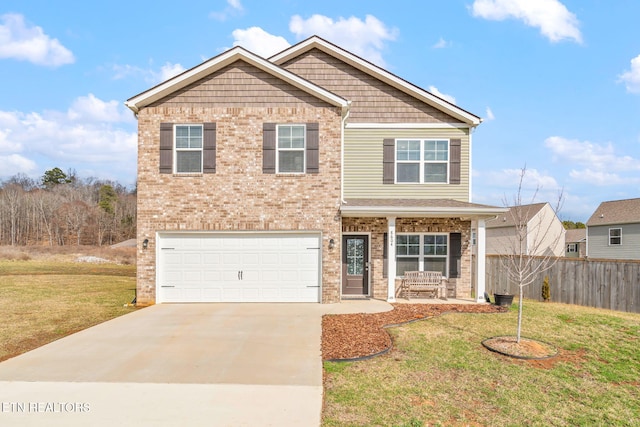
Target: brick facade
pixel 239 196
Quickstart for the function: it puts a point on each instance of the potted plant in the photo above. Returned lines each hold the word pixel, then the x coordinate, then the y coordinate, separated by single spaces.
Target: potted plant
pixel 505 299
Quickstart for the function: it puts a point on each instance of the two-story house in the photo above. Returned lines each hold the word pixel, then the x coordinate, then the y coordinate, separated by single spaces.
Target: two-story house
pixel 532 229
pixel 311 176
pixel 613 231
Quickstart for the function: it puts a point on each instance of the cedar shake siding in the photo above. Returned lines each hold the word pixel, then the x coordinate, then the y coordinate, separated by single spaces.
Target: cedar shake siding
pixel 373 101
pixel 237 195
pixel 240 85
pixel 369 172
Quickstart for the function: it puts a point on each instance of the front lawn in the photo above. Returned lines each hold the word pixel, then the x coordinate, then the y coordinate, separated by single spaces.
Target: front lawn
pixel 41 301
pixel 438 373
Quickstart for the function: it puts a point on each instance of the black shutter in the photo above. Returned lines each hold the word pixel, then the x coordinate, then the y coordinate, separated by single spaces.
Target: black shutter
pixel 269 148
pixel 388 161
pixel 166 147
pixel 455 160
pixel 455 255
pixel 385 255
pixel 209 148
pixel 312 152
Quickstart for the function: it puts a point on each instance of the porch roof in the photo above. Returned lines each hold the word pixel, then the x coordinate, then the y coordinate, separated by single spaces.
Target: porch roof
pixel 418 208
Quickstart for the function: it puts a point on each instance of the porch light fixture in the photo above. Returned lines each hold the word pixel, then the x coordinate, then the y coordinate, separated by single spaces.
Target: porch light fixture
pixel 332 243
pixel 145 243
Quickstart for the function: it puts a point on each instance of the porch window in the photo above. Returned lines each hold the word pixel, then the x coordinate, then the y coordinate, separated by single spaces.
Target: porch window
pixel 421 252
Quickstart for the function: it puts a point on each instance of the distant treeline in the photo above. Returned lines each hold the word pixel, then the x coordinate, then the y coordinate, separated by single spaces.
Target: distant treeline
pixel 61 209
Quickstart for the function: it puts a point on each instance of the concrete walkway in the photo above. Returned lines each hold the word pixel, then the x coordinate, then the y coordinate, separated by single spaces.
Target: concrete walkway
pixel 178 364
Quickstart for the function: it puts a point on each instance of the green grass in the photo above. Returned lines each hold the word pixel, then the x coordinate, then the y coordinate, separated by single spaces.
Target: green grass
pixel 439 373
pixel 42 301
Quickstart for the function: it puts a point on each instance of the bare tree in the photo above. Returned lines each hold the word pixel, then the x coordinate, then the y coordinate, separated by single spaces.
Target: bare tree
pixel 529 251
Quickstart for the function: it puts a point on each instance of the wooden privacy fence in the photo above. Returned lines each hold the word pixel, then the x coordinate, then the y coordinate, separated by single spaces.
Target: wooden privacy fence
pixel 599 283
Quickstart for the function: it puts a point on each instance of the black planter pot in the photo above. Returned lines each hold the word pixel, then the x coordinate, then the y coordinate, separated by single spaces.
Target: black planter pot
pixel 503 299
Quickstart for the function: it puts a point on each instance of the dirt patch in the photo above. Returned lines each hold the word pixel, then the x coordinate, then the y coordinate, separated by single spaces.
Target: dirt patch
pixel 525 349
pixel 353 336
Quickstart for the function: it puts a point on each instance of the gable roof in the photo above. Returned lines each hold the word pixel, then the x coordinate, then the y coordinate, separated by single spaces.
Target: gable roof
pixel 508 219
pixel 575 235
pixel 367 67
pixel 216 63
pixel 616 212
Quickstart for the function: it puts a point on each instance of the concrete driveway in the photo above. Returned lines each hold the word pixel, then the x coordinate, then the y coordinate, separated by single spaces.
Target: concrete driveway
pixel 178 364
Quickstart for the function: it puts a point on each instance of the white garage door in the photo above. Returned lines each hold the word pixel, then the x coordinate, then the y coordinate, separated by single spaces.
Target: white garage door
pixel 260 267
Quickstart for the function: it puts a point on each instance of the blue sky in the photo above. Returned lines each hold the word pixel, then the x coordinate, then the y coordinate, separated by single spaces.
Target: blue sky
pixel 556 81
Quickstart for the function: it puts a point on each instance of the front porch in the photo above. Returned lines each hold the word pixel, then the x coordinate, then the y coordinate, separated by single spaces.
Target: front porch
pixel 382 239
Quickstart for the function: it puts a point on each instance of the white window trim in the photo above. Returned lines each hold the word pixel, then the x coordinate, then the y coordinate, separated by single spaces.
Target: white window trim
pixel 421 254
pixel 615 237
pixel 572 248
pixel 303 149
pixel 176 149
pixel 421 162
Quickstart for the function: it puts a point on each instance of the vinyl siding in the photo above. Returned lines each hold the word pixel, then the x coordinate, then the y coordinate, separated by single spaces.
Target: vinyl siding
pixel 363 166
pixel 598 242
pixel 240 85
pixel 373 101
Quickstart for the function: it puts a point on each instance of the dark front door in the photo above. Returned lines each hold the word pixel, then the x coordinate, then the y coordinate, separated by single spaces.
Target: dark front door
pixel 355 265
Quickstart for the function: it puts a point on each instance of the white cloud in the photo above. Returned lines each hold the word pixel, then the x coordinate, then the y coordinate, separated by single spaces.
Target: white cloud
pixel 363 38
pixel 601 157
pixel 601 165
pixel 234 7
pixel 631 78
pixel 235 4
pixel 149 75
pixel 551 16
pixel 258 41
pixel 599 178
pixel 14 164
pixel 92 134
pixel 169 70
pixel 490 115
pixel 434 90
pixel 441 44
pixel 91 109
pixel 30 43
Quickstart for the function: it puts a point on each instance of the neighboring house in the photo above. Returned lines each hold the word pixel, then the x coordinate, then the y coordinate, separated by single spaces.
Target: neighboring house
pixel 310 176
pixel 542 232
pixel 613 231
pixel 576 243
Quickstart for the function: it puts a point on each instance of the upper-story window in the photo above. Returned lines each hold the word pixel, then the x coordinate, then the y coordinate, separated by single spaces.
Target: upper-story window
pixel 291 149
pixel 615 236
pixel 422 161
pixel 188 146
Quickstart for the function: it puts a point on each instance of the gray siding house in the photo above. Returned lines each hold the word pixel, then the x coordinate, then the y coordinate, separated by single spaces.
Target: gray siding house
pixel 613 231
pixel 576 243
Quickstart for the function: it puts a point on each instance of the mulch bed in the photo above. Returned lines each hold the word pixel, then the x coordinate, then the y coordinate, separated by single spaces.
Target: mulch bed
pixel 353 336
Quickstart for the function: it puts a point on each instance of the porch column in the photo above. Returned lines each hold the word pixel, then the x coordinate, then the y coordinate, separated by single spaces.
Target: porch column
pixel 481 260
pixel 391 258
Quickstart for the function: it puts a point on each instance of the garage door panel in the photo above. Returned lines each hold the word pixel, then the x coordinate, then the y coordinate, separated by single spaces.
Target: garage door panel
pixel 212 276
pixel 213 267
pixel 212 295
